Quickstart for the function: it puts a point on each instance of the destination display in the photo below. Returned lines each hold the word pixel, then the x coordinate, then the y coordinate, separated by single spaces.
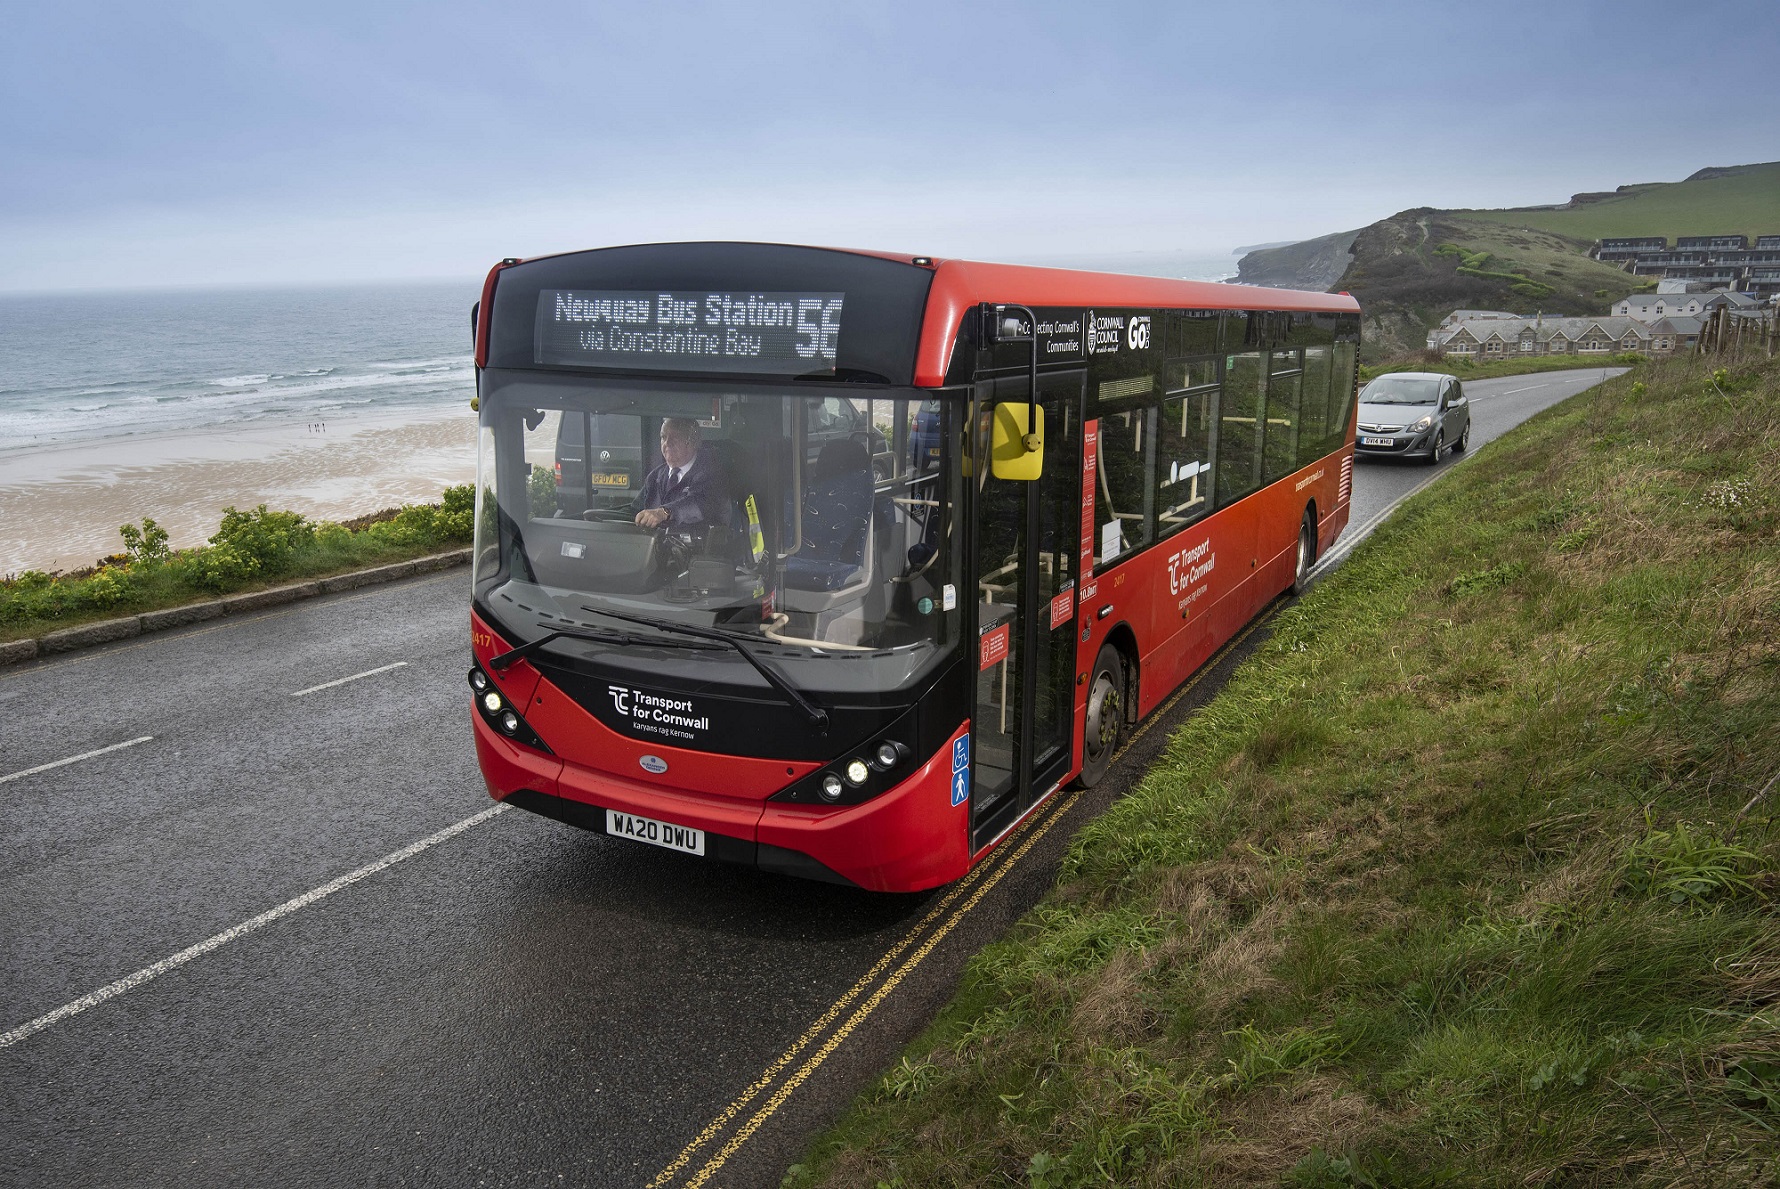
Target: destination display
pixel 770 333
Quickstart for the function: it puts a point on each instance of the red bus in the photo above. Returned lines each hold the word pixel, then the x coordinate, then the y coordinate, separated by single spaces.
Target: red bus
pixel 839 563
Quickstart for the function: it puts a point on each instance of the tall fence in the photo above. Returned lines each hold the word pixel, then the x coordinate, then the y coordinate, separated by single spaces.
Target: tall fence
pixel 1729 332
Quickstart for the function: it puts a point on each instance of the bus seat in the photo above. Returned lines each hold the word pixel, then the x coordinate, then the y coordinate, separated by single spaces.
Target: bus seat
pixel 837 513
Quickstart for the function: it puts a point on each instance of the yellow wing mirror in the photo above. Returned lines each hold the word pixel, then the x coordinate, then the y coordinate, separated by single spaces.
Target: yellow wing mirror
pixel 1017 442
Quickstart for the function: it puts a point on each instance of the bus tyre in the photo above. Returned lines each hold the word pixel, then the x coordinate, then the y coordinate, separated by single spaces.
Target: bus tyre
pixel 1106 714
pixel 1306 553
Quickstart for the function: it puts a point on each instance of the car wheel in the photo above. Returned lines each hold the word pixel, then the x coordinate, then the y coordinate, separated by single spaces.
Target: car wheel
pixel 1306 554
pixel 1439 447
pixel 1464 442
pixel 1105 717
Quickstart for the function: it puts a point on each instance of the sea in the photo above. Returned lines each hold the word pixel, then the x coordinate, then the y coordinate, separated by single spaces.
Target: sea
pixel 81 366
pixel 77 367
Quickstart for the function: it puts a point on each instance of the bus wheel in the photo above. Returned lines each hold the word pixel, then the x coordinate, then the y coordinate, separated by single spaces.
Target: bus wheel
pixel 1106 714
pixel 1306 554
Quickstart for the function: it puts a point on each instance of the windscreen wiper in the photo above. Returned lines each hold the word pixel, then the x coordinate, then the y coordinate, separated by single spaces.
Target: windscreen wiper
pixel 818 717
pixel 531 646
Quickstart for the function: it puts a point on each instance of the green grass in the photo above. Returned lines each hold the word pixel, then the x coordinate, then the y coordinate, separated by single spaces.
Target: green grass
pixel 250 551
pixel 1466 878
pixel 1489 369
pixel 1746 202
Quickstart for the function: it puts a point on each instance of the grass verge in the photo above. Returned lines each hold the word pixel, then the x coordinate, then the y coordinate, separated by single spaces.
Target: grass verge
pixel 1489 369
pixel 1469 876
pixel 250 551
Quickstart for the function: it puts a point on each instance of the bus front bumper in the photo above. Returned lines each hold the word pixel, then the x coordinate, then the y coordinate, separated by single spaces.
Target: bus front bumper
pixel 908 839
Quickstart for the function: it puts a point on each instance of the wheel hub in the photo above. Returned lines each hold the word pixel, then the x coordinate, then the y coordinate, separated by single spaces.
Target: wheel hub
pixel 1103 715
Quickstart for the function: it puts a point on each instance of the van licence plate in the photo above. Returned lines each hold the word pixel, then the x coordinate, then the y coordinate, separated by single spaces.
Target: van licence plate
pixel 1378 441
pixel 609 479
pixel 684 839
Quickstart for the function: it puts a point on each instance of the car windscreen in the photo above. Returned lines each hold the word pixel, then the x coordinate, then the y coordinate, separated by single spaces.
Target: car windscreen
pixel 1401 390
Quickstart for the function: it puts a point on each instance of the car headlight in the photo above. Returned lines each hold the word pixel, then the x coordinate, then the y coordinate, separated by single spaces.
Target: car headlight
pixel 1422 424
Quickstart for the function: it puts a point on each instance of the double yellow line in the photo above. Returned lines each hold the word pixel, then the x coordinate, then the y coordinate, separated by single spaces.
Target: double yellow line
pixel 932 929
pixel 922 939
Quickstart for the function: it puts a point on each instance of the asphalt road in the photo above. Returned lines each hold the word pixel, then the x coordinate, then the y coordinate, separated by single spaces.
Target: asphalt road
pixel 276 935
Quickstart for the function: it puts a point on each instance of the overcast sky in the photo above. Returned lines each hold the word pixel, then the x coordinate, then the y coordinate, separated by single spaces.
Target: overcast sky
pixel 192 143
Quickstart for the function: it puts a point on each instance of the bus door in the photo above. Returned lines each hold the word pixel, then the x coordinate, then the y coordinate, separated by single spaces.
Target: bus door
pixel 1027 551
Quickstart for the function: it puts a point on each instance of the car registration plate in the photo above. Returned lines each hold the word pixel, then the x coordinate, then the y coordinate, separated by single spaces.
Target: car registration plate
pixel 684 839
pixel 609 479
pixel 933 451
pixel 1378 441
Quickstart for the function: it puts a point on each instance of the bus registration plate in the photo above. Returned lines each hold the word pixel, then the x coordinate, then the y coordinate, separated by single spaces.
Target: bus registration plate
pixel 684 839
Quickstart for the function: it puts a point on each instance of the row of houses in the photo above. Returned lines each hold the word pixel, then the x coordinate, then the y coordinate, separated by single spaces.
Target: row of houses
pixel 1494 333
pixel 1654 307
pixel 1660 323
pixel 1729 261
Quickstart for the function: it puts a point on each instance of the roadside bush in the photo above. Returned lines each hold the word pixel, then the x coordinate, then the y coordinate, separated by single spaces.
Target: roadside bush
pixel 457 511
pixel 542 489
pixel 216 569
pixel 104 590
pixel 249 547
pixel 146 545
pixel 263 542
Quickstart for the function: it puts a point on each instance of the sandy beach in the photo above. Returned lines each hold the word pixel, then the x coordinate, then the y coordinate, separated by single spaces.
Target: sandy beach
pixel 60 506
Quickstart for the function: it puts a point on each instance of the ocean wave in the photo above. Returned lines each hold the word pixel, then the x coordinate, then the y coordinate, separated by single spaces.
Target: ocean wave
pixel 237 381
pixel 450 361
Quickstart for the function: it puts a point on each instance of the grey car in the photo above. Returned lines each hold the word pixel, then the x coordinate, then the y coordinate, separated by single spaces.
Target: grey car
pixel 1413 414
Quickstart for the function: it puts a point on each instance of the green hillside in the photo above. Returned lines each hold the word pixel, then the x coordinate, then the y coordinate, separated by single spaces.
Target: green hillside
pixel 1741 199
pixel 1412 269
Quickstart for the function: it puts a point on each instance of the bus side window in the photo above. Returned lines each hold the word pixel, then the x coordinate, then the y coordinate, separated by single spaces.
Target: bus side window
pixel 1342 389
pixel 1124 509
pixel 1279 451
pixel 1315 424
pixel 1239 436
pixel 1183 461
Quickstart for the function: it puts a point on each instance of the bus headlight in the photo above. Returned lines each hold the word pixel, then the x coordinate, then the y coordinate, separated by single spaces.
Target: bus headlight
pixel 831 787
pixel 478 680
pixel 510 722
pixel 857 773
pixel 492 701
pixel 887 756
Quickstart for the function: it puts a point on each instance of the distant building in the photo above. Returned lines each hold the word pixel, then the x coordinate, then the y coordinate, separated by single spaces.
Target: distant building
pixel 1654 307
pixel 1522 337
pixel 1721 261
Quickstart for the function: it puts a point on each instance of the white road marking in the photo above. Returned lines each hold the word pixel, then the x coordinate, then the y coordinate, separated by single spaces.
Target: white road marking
pixel 130 982
pixel 342 681
pixel 85 755
pixel 1349 540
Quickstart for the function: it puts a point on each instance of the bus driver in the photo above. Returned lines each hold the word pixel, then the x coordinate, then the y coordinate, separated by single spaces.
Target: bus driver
pixel 687 490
